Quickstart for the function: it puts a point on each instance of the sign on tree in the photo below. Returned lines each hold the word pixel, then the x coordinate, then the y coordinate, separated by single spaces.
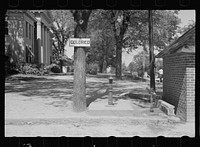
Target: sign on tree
pixel 79 42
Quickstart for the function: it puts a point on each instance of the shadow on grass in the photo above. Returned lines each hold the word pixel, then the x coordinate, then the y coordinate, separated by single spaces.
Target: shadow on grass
pixel 63 89
pixel 38 86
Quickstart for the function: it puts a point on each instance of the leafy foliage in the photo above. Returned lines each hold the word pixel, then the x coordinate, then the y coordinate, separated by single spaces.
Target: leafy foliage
pixel 92 68
pixel 11 68
pixel 53 68
pixel 137 64
pixel 181 31
pixel 30 69
pixel 62 28
pixel 102 41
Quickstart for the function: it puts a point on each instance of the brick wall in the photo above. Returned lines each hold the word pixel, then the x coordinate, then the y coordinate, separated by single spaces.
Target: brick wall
pixel 179 83
pixel 190 93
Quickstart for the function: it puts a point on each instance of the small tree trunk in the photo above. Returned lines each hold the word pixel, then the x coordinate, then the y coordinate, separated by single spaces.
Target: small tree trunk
pixel 143 62
pixel 101 67
pixel 61 65
pixel 104 64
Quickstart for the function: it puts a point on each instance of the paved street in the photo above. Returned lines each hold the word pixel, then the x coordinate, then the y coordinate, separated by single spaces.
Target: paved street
pixel 42 106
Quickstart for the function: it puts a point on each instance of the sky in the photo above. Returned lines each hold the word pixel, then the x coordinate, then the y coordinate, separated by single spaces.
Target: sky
pixel 185 15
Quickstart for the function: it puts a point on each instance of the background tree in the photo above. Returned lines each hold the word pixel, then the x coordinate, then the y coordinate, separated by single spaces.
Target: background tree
pixel 119 21
pixel 137 64
pixel 184 29
pixel 81 18
pixel 62 28
pixel 124 68
pixel 102 41
pixel 130 29
pixel 163 29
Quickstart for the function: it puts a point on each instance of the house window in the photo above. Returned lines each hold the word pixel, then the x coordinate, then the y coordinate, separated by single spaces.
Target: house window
pixel 26 29
pixel 30 31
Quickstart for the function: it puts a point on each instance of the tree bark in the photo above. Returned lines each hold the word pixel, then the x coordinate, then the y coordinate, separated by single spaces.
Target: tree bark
pixel 152 74
pixel 104 64
pixel 118 58
pixel 119 35
pixel 79 98
pixel 101 67
pixel 79 90
pixel 144 56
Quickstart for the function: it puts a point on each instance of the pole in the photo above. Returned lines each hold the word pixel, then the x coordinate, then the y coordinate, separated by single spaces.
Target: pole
pixel 152 74
pixel 110 98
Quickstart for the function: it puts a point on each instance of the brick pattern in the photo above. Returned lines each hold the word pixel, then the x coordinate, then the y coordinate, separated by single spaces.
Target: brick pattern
pixel 179 83
pixel 190 93
pixel 182 107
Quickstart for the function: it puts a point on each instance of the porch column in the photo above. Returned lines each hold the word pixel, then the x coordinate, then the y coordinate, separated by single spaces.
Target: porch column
pixel 39 37
pixel 46 47
pixel 42 46
pixel 48 44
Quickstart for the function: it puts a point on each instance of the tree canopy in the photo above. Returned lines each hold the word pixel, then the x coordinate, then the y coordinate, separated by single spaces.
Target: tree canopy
pixel 62 28
pixel 112 31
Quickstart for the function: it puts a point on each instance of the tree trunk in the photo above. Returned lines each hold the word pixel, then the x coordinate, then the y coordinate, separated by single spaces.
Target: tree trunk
pixel 144 56
pixel 61 60
pixel 152 74
pixel 61 65
pixel 104 64
pixel 101 67
pixel 79 98
pixel 118 73
pixel 143 65
pixel 79 90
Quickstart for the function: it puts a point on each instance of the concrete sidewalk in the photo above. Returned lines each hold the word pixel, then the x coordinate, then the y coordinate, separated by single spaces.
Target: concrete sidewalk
pixel 125 108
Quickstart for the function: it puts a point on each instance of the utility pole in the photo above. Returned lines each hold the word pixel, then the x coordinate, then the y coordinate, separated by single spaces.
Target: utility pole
pixel 151 49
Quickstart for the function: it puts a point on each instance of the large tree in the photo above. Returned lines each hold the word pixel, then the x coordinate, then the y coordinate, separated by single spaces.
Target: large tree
pixel 120 22
pixel 62 28
pixel 81 18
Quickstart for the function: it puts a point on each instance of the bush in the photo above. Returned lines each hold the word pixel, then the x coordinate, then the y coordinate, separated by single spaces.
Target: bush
pixel 92 68
pixel 53 68
pixel 28 68
pixel 11 68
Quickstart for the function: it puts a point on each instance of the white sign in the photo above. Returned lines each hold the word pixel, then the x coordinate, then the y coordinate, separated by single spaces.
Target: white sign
pixel 79 42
